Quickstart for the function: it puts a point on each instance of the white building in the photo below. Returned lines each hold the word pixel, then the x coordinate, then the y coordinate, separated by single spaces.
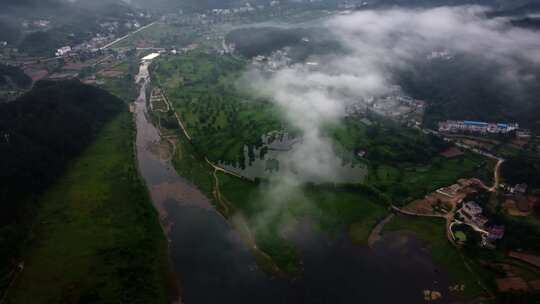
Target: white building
pixel 63 51
pixel 150 57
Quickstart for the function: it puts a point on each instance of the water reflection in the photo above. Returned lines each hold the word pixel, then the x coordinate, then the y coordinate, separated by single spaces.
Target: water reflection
pixel 276 155
pixel 215 266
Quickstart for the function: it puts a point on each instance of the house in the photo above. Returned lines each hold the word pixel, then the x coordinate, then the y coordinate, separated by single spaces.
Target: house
pixel 476 127
pixel 471 213
pixel 479 220
pixel 472 208
pixel 495 232
pixel 449 191
pixel 63 51
pixel 520 189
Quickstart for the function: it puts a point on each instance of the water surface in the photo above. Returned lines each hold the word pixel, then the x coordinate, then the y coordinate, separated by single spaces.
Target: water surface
pixel 214 265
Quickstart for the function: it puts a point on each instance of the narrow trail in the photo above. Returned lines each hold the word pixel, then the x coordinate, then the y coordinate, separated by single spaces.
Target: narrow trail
pixel 237 220
pixel 184 130
pixel 375 234
pixel 496 175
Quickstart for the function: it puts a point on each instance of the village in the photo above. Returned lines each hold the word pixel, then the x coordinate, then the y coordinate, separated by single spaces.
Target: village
pixel 468 210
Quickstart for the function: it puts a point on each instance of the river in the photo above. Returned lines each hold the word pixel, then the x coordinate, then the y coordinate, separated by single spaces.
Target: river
pixel 214 265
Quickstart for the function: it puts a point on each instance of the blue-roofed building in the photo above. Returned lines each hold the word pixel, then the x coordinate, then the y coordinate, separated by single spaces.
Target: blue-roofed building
pixel 475 123
pixel 481 127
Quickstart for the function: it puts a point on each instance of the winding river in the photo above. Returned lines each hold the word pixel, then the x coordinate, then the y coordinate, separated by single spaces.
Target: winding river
pixel 211 261
pixel 214 265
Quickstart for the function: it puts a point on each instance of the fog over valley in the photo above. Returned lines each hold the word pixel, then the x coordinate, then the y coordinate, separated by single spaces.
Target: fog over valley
pixel 269 151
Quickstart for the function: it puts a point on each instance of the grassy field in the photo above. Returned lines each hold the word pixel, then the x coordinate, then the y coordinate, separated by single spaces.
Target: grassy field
pixel 97 238
pixel 270 210
pixel 122 86
pixel 405 163
pixel 219 118
pixel 432 231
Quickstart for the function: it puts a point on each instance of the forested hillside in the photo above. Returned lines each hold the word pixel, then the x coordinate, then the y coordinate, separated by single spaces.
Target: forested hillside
pixel 43 130
pixel 70 192
pixel 13 76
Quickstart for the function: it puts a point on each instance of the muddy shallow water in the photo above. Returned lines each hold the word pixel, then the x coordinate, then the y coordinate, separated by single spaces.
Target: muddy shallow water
pixel 214 265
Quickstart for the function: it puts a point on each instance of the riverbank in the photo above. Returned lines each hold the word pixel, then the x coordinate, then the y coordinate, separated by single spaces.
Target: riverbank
pixel 96 238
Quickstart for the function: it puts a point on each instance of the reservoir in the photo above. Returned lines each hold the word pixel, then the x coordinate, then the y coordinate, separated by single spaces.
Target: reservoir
pixel 214 265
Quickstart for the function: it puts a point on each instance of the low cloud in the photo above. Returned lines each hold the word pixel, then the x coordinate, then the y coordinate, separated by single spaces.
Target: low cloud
pixel 378 44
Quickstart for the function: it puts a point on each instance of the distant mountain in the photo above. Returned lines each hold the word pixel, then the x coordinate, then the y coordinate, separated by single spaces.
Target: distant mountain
pixel 71 23
pixel 29 3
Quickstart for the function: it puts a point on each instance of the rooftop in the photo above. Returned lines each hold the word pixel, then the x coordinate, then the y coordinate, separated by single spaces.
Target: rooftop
pixel 150 56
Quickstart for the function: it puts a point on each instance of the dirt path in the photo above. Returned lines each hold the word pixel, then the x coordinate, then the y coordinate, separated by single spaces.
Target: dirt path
pixel 496 175
pixel 375 234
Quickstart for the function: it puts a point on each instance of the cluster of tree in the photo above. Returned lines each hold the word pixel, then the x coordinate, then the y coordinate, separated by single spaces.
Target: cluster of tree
pixel 216 114
pixel 251 42
pixel 11 76
pixel 521 236
pixel 454 90
pixel 387 142
pixel 522 170
pixel 41 131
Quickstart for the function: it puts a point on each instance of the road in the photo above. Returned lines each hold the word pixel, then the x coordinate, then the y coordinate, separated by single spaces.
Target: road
pixel 496 176
pixel 126 36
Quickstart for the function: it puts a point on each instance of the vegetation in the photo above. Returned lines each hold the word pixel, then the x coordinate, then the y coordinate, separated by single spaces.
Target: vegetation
pixel 520 169
pixel 404 163
pixel 329 207
pixel 220 120
pixel 96 237
pixel 73 23
pixel 251 42
pixel 455 91
pixel 42 131
pixel 160 34
pixel 81 225
pixel 123 86
pixel 11 76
